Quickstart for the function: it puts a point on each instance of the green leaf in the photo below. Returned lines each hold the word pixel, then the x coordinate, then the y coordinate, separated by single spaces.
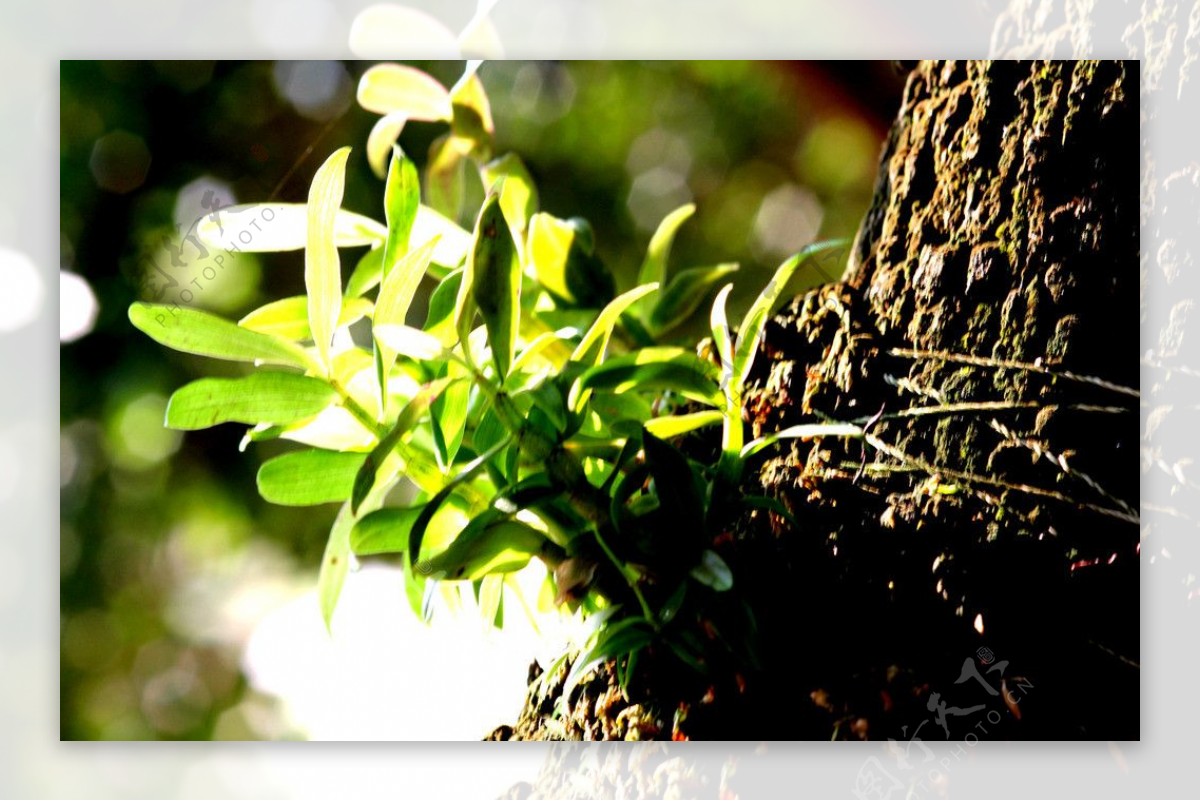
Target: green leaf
pixel 383 531
pixel 612 641
pixel 450 415
pixel 750 331
pixel 591 348
pixel 288 317
pixel 519 196
pixel 395 88
pixel 335 564
pixel 733 433
pixel 391 335
pixel 683 294
pixel 654 267
pixel 613 411
pixel 722 340
pixel 500 546
pixel 657 369
pixel 310 477
pixel 445 176
pixel 263 397
pixel 409 416
pixel 366 273
pixel 713 572
pixel 495 279
pixel 205 334
pixel 322 268
pixel 490 430
pixel 806 431
pixel 401 200
pixel 273 227
pixel 673 604
pixel 417 535
pixel 674 425
pixel 548 397
pixel 440 319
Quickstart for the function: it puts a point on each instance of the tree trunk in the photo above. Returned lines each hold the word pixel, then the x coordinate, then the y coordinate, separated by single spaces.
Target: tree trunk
pixel 985 334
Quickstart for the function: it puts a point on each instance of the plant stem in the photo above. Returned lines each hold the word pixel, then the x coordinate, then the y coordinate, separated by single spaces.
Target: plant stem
pixel 360 413
pixel 631 580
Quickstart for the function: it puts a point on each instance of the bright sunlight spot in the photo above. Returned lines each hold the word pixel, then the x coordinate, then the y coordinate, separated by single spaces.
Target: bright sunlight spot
pixel 385 675
pixel 77 307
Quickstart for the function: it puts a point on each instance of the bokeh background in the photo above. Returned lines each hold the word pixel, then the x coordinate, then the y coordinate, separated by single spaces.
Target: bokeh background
pixel 186 600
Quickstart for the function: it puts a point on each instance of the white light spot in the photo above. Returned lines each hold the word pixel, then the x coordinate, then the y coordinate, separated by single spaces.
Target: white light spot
pixel 788 219
pixel 319 90
pixel 979 623
pixel 77 307
pixel 659 147
pixel 335 686
pixel 20 290
pixel 655 194
pixel 199 198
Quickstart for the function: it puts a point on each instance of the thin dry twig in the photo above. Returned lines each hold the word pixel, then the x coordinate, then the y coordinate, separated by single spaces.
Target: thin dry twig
pixel 984 361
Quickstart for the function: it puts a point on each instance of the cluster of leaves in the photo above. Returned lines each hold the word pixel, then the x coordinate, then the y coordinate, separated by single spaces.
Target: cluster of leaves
pixel 531 414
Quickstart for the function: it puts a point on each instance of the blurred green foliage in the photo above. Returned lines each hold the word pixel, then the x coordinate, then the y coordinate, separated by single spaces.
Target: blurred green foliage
pixel 168 553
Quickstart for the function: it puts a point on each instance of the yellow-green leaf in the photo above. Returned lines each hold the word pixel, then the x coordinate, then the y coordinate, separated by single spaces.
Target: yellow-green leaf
pixel 654 267
pixel 308 478
pixel 549 248
pixel 674 425
pixel 335 564
pixel 382 137
pixel 504 546
pixel 750 331
pixel 805 431
pixel 656 369
pixel 494 278
pixel 273 227
pixel 366 275
pixel 472 114
pixel 401 199
pixel 591 348
pixel 384 531
pixel 205 334
pixel 721 336
pixel 519 196
pixel 399 287
pixel 262 397
pixel 322 267
pixel 683 294
pixel 288 317
pixel 405 423
pixel 390 88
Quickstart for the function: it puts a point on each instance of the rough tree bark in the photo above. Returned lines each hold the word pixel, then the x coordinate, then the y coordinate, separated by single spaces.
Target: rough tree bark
pixel 994 279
